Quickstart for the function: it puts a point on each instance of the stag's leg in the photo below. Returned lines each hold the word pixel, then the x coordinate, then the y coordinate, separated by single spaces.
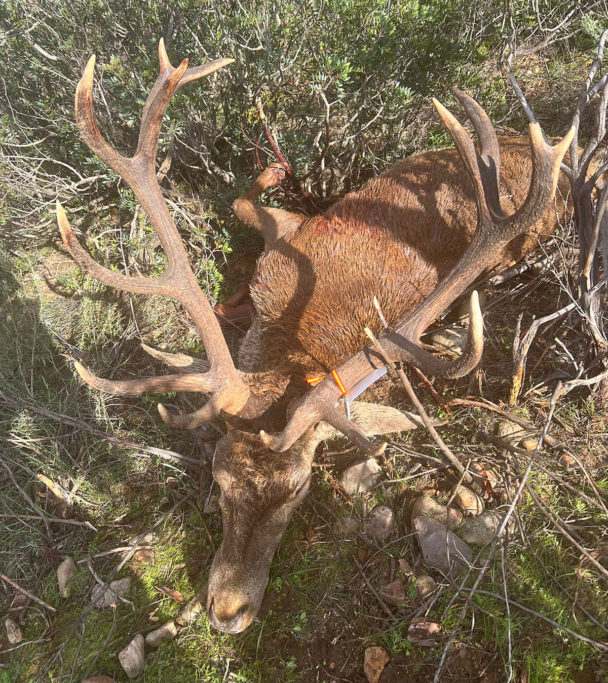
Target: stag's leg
pixel 271 223
pixel 237 309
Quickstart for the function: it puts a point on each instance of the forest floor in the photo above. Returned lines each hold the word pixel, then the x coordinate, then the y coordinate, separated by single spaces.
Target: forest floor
pixel 79 479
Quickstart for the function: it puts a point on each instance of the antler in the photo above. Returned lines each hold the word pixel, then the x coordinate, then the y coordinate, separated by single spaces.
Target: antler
pixel 494 231
pixel 229 392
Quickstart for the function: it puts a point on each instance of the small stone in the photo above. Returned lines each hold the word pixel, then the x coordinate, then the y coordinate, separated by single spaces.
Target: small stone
pixel 13 631
pixel 451 339
pixel 468 501
pixel 132 657
pixel 423 632
pixel 566 460
pixel 191 612
pixel 361 477
pixel 66 571
pixel 102 598
pixel 381 523
pixel 482 529
pixel 374 661
pixel 529 443
pixel 510 431
pixel 425 584
pixel 162 634
pixel 405 567
pixel 441 549
pixel 425 506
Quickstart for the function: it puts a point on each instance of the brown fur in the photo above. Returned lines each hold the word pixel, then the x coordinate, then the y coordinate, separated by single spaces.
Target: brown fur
pixel 394 239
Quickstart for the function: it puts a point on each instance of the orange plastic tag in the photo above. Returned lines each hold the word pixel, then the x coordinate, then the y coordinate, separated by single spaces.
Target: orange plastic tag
pixel 338 381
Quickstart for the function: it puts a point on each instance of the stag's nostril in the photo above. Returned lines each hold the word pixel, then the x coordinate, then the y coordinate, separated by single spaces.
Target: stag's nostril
pixel 230 621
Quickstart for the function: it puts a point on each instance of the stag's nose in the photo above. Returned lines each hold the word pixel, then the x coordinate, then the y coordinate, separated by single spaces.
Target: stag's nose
pixel 227 616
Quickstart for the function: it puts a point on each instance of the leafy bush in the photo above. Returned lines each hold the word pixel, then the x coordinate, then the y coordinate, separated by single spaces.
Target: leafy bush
pixel 344 80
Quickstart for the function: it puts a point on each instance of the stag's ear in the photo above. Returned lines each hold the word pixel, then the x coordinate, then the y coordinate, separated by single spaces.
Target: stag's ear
pixel 375 419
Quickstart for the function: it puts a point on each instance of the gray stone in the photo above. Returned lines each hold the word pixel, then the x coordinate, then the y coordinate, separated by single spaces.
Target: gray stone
pixel 361 477
pixel 132 657
pixel 381 523
pixel 66 571
pixel 482 529
pixel 14 633
pixel 468 501
pixel 105 597
pixel 441 549
pixel 425 506
pixel 162 634
pixel 451 339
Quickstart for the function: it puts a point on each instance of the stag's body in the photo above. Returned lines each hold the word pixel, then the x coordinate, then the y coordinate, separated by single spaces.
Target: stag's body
pixel 395 239
pixel 415 238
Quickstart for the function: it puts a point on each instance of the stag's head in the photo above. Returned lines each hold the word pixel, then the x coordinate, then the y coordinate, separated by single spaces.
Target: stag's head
pixel 260 490
pixel 264 477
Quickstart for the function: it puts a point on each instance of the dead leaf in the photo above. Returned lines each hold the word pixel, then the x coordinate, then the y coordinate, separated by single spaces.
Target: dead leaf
pixel 374 661
pixel 423 632
pixel 394 592
pixel 172 593
pixel 364 553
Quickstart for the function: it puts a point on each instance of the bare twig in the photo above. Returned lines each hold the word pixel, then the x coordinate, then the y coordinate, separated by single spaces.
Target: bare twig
pixel 162 453
pixel 31 596
pixel 420 408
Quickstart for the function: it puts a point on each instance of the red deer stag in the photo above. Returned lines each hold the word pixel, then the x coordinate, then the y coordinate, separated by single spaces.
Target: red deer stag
pixel 415 237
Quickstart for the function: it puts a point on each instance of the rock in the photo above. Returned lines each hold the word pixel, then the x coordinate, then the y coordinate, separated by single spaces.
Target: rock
pixel 510 431
pixel 162 634
pixel 405 567
pixel 441 549
pixel 451 339
pixel 191 612
pixel 529 443
pixel 425 506
pixel 102 598
pixel 393 592
pixel 132 657
pixel 468 501
pixel 423 632
pixel 381 523
pixel 482 529
pixel 566 460
pixel 361 477
pixel 425 584
pixel 13 631
pixel 374 661
pixel 66 571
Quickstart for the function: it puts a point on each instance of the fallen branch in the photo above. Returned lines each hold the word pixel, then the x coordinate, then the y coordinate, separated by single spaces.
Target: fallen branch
pixel 31 596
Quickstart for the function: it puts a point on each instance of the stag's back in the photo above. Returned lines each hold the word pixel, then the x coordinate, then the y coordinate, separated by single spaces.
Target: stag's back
pixel 393 239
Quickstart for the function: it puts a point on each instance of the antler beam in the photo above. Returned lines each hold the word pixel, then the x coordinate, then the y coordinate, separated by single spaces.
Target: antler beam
pixel 223 380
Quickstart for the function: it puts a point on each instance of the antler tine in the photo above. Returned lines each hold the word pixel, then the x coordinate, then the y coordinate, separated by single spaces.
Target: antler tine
pixel 489 153
pixel 494 231
pixel 179 282
pixel 193 381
